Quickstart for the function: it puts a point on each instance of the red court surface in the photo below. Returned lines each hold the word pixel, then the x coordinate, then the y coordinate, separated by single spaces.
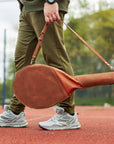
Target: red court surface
pixel 97 128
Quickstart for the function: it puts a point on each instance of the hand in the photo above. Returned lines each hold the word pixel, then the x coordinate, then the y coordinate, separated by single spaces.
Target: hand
pixel 51 12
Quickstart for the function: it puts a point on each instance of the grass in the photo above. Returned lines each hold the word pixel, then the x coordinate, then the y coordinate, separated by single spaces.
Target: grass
pixel 94 101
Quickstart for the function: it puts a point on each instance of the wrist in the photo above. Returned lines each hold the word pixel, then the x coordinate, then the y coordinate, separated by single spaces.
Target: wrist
pixel 51 1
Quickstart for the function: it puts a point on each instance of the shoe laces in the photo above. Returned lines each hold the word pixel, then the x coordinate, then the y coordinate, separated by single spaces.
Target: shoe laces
pixel 59 110
pixel 60 114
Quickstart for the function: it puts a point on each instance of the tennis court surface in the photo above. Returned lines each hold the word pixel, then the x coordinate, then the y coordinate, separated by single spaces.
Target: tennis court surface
pixel 97 128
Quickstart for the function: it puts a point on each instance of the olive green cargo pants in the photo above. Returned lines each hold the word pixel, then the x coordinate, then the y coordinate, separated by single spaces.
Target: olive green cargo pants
pixel 53 48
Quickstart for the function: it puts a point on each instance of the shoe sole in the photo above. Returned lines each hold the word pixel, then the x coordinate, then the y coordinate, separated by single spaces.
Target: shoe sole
pixel 63 128
pixel 12 125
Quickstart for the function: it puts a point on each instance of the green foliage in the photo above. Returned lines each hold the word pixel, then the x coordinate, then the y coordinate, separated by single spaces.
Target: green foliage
pixel 103 32
pixel 97 29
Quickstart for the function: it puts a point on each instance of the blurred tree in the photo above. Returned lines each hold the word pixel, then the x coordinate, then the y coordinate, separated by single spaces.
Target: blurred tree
pixel 100 36
pixel 97 29
pixel 102 28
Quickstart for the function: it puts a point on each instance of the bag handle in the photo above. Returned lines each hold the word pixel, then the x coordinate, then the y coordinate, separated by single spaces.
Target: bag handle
pixel 38 44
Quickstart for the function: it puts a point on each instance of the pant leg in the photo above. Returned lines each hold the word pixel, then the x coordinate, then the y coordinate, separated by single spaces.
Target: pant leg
pixel 26 44
pixel 54 50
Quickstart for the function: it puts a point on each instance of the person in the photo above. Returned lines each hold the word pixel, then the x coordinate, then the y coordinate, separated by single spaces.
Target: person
pixel 34 14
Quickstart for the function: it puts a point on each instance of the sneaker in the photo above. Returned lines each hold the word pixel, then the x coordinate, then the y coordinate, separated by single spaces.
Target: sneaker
pixel 61 121
pixel 9 119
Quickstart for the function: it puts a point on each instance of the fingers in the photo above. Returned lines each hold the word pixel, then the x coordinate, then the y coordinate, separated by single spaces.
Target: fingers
pixel 51 12
pixel 51 18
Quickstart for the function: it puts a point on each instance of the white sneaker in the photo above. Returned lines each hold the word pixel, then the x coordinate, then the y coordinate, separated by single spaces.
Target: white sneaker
pixel 9 119
pixel 61 121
